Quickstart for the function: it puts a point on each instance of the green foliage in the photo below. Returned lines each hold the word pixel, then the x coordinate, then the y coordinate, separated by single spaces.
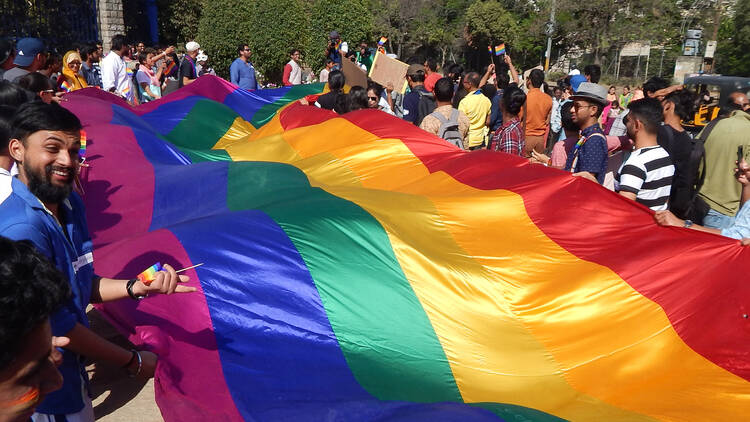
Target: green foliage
pixel 219 33
pixel 351 18
pixel 178 20
pixel 733 51
pixel 488 23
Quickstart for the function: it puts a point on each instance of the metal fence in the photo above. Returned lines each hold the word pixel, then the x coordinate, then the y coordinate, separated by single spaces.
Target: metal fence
pixel 59 23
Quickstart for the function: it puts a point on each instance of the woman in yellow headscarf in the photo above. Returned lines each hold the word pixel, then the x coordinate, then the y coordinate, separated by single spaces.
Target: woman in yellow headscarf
pixel 71 79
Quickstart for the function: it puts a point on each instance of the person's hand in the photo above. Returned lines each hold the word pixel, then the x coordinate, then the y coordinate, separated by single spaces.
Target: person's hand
pixel 55 356
pixel 389 87
pixel 586 175
pixel 743 172
pixel 304 101
pixel 537 157
pixel 666 218
pixel 148 365
pixel 166 281
pixel 162 65
pixel 508 61
pixel 745 241
pixel 169 50
pixel 491 69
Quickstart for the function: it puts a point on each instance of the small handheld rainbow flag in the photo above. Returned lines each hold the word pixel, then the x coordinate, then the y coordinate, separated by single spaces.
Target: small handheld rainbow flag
pixel 500 49
pixel 147 276
pixel 382 40
pixel 82 151
pixel 66 86
pixel 489 49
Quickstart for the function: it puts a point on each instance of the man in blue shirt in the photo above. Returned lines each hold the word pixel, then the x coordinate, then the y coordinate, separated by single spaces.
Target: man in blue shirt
pixel 589 156
pixel 242 72
pixel 39 205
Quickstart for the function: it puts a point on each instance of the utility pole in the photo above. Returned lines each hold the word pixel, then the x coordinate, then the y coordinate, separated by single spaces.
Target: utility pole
pixel 549 28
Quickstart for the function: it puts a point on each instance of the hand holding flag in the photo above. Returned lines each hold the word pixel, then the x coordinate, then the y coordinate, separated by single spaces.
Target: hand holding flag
pixel 163 279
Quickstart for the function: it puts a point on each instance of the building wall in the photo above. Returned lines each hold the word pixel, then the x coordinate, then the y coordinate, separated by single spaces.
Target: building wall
pixel 110 21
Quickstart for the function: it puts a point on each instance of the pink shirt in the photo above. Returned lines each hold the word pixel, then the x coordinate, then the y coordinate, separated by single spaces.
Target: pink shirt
pixel 560 150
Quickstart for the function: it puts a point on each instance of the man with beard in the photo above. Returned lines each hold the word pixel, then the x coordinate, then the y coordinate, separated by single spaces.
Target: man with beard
pixel 39 205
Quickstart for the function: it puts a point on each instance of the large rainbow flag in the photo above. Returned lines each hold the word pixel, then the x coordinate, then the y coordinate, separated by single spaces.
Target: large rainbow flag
pixel 359 269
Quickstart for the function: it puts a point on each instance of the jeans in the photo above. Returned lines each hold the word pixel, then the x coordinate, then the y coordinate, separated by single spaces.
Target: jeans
pixel 717 220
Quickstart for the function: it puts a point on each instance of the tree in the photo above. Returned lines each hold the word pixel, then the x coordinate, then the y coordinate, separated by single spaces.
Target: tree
pixel 351 18
pixel 178 20
pixel 269 33
pixel 733 51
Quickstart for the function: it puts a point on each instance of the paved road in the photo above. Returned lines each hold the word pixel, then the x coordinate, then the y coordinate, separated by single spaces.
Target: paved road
pixel 118 398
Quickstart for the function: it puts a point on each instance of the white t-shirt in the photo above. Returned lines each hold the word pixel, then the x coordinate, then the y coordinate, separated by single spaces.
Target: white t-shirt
pixel 115 75
pixel 647 173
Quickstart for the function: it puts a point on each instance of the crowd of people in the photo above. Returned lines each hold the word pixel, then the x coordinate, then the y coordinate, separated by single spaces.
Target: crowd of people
pixel 633 143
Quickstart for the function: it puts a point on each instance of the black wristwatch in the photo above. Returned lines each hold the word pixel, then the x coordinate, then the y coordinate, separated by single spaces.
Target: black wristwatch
pixel 129 287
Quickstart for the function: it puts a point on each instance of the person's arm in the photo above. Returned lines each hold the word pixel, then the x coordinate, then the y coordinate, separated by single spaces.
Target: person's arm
pixel 287 72
pixel 85 342
pixel 147 90
pixel 666 218
pixel 108 76
pixel 160 70
pixel 163 54
pixel 487 75
pixel 668 90
pixel 165 282
pixel 234 73
pixel 389 94
pixel 513 73
pixel 743 176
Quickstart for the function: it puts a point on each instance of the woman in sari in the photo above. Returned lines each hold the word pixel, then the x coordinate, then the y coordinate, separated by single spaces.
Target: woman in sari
pixel 71 79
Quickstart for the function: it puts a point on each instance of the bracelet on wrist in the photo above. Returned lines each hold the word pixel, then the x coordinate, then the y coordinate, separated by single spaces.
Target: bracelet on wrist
pixel 133 354
pixel 129 288
pixel 140 365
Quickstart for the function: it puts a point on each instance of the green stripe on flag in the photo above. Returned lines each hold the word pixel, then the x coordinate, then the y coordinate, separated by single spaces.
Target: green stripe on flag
pixel 296 92
pixel 203 126
pixel 381 327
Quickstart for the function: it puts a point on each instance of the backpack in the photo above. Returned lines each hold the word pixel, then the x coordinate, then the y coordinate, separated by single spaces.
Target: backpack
pixel 696 208
pixel 425 106
pixel 449 128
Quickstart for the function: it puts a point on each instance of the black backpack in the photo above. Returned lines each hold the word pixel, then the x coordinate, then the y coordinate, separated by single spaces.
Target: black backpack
pixel 449 128
pixel 695 209
pixel 425 106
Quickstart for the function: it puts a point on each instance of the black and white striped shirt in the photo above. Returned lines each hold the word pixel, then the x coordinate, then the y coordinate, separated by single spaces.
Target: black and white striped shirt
pixel 648 174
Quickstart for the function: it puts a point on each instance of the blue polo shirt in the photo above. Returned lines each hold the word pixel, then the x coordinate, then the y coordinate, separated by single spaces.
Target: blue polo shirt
pixel 242 74
pixel 592 157
pixel 69 247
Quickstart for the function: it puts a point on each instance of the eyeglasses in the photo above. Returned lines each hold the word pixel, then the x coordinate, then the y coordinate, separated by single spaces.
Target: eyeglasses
pixel 372 98
pixel 245 49
pixel 577 106
pixel 48 91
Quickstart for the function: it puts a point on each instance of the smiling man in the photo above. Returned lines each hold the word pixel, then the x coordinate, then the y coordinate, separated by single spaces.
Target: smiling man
pixel 30 290
pixel 40 205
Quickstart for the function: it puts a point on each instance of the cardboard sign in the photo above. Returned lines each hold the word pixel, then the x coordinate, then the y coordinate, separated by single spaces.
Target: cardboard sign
pixel 385 69
pixel 353 74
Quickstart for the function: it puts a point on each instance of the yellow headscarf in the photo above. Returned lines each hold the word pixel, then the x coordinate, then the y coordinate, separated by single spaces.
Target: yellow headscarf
pixel 74 81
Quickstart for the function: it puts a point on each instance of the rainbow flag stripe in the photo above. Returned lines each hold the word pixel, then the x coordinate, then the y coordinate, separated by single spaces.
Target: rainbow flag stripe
pixel 65 86
pixel 500 49
pixel 358 268
pixel 82 150
pixel 382 40
pixel 148 275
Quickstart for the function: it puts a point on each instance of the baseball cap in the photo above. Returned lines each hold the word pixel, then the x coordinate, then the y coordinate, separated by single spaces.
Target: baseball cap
pixel 27 49
pixel 6 49
pixel 414 68
pixel 192 46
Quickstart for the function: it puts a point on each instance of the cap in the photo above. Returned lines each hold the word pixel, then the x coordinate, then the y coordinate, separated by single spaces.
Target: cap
pixel 6 49
pixel 591 92
pixel 576 80
pixel 333 34
pixel 192 46
pixel 414 68
pixel 27 49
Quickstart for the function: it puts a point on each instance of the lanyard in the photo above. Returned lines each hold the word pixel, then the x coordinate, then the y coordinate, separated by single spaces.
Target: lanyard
pixel 190 60
pixel 577 150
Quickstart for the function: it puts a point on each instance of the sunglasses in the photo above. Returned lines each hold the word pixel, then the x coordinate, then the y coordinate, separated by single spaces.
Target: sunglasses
pixel 372 98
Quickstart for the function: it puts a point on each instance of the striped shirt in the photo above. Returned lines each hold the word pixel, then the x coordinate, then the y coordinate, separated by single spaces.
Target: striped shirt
pixel 648 174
